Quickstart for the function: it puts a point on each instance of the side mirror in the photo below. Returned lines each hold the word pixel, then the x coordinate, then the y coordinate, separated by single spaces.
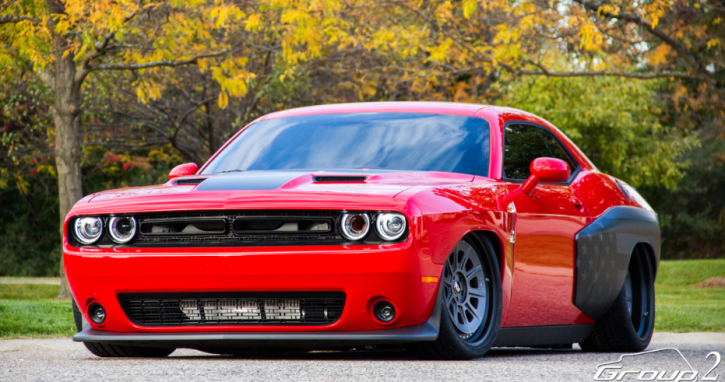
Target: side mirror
pixel 183 170
pixel 546 170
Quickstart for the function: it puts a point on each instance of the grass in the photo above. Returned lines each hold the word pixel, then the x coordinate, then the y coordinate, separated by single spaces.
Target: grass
pixel 32 311
pixel 28 291
pixel 680 307
pixel 45 318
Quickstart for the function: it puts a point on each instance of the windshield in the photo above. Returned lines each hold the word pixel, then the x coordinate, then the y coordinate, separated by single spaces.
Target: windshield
pixel 387 141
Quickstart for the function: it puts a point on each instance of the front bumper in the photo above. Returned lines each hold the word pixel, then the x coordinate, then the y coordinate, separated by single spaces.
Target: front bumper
pixel 364 273
pixel 427 331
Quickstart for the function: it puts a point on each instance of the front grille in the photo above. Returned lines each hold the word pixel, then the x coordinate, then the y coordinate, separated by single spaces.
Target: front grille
pixel 239 228
pixel 233 308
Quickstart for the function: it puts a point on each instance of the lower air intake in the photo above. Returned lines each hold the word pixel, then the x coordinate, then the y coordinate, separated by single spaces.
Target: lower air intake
pixel 233 308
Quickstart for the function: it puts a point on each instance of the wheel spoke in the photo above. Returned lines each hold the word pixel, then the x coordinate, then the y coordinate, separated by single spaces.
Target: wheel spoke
pixel 462 293
pixel 462 263
pixel 473 273
pixel 465 322
pixel 473 311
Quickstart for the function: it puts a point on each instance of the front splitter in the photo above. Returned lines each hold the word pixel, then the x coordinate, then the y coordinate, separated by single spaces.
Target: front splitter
pixel 427 331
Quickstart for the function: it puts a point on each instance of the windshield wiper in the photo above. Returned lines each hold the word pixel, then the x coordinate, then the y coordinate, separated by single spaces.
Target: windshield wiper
pixel 222 172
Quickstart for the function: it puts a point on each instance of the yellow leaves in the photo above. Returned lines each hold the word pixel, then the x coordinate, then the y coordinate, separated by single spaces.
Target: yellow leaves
pixel 22 184
pixel 444 13
pixel 469 7
pixel 607 9
pixel 46 169
pixel 148 91
pixel 225 14
pixel 4 177
pixel 232 78
pixel 717 21
pixel 590 37
pixel 365 87
pixel 713 42
pixel 440 52
pixel 655 10
pixel 253 23
pixel 223 99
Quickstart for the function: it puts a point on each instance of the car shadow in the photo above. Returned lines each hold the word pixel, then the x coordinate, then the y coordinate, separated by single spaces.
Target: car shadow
pixel 361 354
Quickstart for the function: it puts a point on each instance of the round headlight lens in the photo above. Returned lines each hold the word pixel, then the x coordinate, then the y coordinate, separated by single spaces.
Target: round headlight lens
pixel 355 226
pixel 88 230
pixel 390 225
pixel 122 229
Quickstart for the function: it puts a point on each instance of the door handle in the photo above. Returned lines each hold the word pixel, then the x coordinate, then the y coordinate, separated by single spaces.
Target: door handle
pixel 576 202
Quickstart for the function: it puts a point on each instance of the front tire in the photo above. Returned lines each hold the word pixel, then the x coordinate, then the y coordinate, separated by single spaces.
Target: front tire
pixel 628 324
pixel 108 350
pixel 471 303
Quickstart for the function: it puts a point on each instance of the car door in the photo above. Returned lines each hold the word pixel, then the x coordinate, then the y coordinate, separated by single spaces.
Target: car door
pixel 546 223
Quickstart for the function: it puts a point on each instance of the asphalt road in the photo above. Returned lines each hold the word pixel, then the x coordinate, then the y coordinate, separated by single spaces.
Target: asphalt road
pixel 64 360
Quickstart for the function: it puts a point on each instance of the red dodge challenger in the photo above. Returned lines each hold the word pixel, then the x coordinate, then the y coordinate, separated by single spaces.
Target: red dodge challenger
pixel 447 228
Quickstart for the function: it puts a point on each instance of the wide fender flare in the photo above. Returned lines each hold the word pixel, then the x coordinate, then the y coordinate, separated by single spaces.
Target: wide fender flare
pixel 603 251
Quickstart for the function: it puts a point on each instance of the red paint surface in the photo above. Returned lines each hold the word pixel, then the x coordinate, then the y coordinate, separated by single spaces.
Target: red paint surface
pixel 537 271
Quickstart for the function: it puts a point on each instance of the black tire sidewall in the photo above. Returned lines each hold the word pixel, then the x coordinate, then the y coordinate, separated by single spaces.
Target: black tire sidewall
pixel 639 343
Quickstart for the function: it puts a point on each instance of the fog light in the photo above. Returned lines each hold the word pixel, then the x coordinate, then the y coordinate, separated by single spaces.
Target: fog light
pixel 384 311
pixel 96 313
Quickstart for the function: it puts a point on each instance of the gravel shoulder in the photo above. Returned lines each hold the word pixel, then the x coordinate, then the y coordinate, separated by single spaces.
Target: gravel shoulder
pixel 64 360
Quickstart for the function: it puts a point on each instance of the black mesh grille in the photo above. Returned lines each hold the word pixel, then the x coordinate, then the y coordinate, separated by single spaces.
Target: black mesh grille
pixel 233 308
pixel 239 228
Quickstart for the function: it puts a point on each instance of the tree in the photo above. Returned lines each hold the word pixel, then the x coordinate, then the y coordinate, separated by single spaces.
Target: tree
pixel 63 42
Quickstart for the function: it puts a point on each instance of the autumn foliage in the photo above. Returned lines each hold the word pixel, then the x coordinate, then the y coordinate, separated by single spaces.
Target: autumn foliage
pixel 103 93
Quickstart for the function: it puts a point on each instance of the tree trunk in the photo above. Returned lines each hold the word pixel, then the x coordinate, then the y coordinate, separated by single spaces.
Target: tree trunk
pixel 66 115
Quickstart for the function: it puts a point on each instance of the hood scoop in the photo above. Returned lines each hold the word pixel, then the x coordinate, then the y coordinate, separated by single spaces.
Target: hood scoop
pixel 339 178
pixel 182 181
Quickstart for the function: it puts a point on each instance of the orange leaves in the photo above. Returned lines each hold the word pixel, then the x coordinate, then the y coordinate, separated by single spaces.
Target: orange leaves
pixel 660 55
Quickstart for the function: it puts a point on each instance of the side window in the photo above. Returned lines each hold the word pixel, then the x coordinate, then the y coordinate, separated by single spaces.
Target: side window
pixel 523 144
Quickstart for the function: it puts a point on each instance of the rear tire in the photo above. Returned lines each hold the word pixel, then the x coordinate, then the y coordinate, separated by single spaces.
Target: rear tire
pixel 628 324
pixel 108 350
pixel 471 303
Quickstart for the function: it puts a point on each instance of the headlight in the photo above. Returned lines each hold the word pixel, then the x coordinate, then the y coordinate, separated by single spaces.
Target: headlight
pixel 88 230
pixel 355 226
pixel 122 229
pixel 390 225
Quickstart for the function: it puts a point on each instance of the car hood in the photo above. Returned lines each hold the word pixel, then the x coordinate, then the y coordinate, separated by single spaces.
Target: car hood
pixel 241 184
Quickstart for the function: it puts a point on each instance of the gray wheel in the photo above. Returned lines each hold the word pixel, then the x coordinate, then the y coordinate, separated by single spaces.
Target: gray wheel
pixel 465 290
pixel 471 302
